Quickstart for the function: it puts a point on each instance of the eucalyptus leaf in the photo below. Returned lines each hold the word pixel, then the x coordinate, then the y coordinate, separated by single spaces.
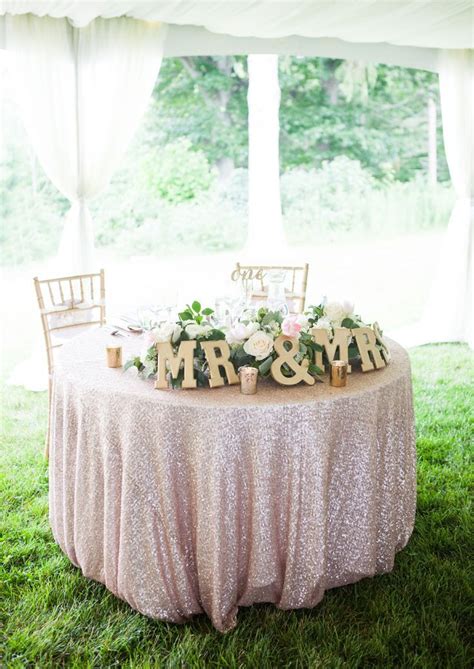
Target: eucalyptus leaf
pixel 272 316
pixel 264 367
pixel 129 363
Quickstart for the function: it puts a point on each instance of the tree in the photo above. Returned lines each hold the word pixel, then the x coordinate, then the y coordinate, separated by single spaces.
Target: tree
pixel 374 115
pixel 204 99
pixel 329 107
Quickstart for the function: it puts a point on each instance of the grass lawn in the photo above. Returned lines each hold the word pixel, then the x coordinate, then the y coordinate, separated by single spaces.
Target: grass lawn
pixel 418 616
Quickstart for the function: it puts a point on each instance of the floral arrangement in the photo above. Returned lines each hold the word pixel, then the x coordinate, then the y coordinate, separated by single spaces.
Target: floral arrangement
pixel 251 338
pixel 330 315
pixel 193 323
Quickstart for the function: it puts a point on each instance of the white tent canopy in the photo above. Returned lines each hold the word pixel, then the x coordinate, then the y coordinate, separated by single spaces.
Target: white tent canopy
pixel 62 57
pixel 396 32
pixel 443 24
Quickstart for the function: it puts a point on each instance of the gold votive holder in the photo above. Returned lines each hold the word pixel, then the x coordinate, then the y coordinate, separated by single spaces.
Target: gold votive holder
pixel 114 356
pixel 338 373
pixel 248 380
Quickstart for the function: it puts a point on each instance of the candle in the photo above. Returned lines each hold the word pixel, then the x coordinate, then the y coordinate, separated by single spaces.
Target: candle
pixel 248 380
pixel 114 356
pixel 338 373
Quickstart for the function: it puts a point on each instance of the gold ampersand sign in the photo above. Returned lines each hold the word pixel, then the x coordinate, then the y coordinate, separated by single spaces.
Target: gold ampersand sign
pixel 287 355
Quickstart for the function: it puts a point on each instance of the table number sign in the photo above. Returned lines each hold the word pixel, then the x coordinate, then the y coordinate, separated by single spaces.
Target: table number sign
pixel 248 273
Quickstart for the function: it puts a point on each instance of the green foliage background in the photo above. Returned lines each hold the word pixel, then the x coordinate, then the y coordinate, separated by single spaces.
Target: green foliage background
pixel 353 154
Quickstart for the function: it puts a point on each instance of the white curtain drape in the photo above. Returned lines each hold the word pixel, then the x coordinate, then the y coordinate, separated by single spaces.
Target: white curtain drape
pixel 449 312
pixel 81 93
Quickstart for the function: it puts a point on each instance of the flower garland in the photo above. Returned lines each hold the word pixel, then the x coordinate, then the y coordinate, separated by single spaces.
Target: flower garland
pixel 251 338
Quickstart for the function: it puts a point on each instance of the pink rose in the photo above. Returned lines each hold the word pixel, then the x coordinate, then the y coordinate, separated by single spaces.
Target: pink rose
pixel 290 326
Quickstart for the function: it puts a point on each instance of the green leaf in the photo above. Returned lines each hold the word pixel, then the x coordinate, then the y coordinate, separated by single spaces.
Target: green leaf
pixel 186 315
pixel 129 363
pixel 216 335
pixel 207 311
pixel 353 351
pixel 264 367
pixel 272 316
pixel 202 379
pixel 315 370
pixel 349 323
pixel 196 306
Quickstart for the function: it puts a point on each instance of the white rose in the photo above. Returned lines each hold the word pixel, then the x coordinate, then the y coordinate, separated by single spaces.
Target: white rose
pixel 163 332
pixel 176 333
pixel 348 307
pixel 260 345
pixel 248 314
pixel 194 330
pixel 240 332
pixel 334 312
pixel 323 324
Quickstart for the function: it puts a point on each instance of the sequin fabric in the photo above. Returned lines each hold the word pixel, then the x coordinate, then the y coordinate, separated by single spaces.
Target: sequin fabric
pixel 191 501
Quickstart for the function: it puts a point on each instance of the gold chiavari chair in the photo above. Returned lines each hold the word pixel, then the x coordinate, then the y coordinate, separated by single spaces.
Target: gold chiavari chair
pixel 255 277
pixel 68 305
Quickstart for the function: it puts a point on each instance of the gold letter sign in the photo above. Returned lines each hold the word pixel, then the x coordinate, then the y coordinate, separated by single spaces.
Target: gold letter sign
pixel 167 358
pixel 285 355
pixel 339 341
pixel 367 343
pixel 215 361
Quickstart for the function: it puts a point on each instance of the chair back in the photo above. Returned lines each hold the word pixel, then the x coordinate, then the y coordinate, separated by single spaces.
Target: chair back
pixel 255 283
pixel 68 305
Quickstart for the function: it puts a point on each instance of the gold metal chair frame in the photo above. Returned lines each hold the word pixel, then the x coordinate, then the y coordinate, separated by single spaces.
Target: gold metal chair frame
pixel 61 295
pixel 298 297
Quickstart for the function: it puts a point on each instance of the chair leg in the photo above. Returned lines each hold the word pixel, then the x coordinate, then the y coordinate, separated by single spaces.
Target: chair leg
pixel 48 429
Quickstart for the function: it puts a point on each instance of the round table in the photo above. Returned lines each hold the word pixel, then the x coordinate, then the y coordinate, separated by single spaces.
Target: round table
pixel 191 501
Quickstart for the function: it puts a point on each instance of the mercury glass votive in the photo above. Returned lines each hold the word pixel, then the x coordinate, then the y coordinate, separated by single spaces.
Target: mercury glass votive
pixel 338 373
pixel 248 380
pixel 114 356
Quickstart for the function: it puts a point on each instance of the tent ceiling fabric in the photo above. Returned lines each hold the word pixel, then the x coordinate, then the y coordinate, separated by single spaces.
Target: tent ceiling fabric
pixel 438 24
pixel 195 41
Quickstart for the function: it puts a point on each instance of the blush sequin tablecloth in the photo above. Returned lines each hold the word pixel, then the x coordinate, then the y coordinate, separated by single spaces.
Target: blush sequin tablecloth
pixel 183 502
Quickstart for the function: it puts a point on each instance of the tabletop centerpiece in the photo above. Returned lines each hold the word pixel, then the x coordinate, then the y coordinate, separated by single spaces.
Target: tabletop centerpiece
pixel 193 350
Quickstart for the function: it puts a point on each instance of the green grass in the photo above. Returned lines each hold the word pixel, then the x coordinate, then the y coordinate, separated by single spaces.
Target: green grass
pixel 417 616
